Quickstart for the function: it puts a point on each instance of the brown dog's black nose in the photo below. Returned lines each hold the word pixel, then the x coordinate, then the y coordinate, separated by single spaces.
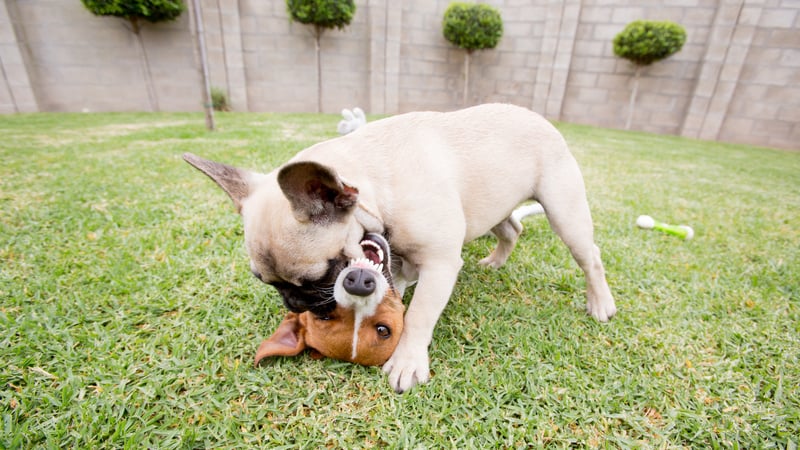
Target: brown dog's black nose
pixel 359 282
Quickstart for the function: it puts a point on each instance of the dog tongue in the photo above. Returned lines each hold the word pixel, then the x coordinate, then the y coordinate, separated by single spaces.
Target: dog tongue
pixel 372 251
pixel 372 255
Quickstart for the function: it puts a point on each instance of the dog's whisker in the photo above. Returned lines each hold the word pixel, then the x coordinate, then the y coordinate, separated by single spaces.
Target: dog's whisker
pixel 323 302
pixel 326 291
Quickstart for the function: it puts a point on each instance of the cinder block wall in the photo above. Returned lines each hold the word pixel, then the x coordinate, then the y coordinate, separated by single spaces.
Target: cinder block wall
pixel 737 78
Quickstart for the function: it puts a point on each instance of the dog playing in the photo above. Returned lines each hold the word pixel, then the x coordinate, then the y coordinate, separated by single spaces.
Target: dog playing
pixel 428 182
pixel 366 324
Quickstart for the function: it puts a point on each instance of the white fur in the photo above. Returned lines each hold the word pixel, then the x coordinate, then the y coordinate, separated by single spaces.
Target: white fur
pixel 364 306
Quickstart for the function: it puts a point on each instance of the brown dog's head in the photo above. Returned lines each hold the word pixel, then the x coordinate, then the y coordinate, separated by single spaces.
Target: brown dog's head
pixel 366 324
pixel 331 335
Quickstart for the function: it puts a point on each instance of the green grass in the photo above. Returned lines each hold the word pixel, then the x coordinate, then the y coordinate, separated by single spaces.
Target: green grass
pixel 129 318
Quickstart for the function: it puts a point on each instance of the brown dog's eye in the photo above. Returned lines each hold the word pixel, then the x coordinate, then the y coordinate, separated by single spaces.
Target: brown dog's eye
pixel 383 331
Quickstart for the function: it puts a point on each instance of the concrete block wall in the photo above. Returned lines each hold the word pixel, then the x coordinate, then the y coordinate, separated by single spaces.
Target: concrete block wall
pixel 81 62
pixel 764 83
pixel 736 79
pixel 16 91
pixel 280 65
pixel 428 67
pixel 600 83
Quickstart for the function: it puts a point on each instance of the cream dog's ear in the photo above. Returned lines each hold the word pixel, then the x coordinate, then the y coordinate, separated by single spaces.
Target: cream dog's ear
pixel 316 192
pixel 235 182
pixel 288 340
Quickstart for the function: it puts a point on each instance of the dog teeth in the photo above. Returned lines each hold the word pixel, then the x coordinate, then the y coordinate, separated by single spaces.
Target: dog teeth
pixel 377 248
pixel 366 262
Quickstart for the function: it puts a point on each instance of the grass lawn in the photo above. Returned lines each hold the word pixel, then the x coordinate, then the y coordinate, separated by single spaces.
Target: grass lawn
pixel 129 317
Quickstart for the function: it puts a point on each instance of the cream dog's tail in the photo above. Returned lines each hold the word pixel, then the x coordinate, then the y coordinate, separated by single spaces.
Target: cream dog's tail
pixel 527 210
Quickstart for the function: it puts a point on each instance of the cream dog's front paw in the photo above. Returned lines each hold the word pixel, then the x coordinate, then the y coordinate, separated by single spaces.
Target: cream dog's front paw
pixel 407 367
pixel 601 309
pixel 603 312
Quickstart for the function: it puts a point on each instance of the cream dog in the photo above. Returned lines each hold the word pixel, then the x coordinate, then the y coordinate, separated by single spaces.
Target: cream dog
pixel 427 181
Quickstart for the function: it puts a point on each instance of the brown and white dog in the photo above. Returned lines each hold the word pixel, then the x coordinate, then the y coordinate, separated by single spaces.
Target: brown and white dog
pixel 366 324
pixel 428 182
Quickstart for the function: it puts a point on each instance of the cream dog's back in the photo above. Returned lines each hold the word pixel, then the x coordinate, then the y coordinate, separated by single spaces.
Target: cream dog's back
pixel 427 161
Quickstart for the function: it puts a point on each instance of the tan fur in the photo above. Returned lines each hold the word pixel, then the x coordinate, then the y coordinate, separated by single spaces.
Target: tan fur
pixel 430 181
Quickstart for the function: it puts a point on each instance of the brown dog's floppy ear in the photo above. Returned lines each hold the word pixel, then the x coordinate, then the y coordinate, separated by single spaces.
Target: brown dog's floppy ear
pixel 234 181
pixel 316 192
pixel 288 340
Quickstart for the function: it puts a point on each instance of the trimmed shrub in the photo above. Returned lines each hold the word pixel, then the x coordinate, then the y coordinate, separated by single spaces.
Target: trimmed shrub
pixel 322 13
pixel 136 10
pixel 644 42
pixel 472 26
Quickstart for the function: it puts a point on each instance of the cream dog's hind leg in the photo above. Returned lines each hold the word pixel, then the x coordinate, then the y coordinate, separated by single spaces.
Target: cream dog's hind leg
pixel 568 212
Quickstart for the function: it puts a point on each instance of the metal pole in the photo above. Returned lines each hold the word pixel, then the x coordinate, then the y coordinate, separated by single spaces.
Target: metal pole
pixel 201 43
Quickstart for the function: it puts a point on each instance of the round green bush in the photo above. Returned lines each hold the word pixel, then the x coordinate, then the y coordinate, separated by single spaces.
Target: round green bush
pixel 644 42
pixel 472 26
pixel 322 13
pixel 150 10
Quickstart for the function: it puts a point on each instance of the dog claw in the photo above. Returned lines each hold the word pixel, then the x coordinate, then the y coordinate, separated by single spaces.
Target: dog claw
pixel 603 313
pixel 404 376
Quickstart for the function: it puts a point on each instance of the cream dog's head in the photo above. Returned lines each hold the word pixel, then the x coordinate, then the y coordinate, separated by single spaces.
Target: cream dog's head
pixel 304 238
pixel 300 227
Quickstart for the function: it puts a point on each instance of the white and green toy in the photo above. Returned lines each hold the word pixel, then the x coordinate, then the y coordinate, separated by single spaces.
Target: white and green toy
pixel 682 231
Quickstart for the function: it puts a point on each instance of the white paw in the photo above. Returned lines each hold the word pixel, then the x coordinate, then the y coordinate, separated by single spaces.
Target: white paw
pixel 603 310
pixel 407 367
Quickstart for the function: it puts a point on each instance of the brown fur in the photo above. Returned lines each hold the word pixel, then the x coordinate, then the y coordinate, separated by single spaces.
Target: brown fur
pixel 332 337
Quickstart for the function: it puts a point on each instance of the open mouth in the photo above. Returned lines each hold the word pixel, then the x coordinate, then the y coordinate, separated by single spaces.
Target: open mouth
pixel 376 254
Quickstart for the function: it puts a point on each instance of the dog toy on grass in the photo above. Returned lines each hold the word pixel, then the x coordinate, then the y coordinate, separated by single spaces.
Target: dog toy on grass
pixel 351 120
pixel 682 231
